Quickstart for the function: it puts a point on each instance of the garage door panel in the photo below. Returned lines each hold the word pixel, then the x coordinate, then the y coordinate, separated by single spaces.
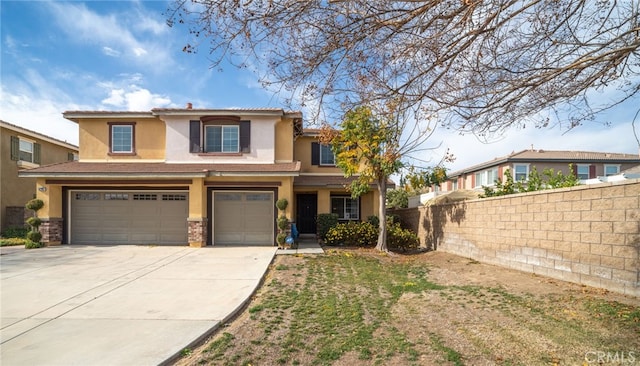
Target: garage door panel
pixel 243 218
pixel 129 218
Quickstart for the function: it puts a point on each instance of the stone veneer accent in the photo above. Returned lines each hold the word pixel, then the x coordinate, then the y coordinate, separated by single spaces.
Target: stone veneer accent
pixel 197 235
pixel 586 234
pixel 51 230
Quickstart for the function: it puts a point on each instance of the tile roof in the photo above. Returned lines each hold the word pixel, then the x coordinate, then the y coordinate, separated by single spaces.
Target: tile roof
pixel 337 181
pixel 558 156
pixel 36 134
pixel 131 170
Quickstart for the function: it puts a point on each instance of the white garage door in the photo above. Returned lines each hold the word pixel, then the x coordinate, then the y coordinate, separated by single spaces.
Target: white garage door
pixel 125 217
pixel 243 218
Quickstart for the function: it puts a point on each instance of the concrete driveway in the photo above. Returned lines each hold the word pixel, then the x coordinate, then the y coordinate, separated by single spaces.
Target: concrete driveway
pixel 119 305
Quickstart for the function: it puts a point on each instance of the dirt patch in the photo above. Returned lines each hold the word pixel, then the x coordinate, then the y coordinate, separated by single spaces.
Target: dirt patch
pixel 437 308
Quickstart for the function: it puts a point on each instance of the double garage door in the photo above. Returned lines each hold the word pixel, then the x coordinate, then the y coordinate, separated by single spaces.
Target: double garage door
pixel 160 217
pixel 129 217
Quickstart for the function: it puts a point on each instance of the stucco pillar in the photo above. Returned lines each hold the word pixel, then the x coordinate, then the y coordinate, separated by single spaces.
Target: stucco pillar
pixel 50 213
pixel 324 201
pixel 197 222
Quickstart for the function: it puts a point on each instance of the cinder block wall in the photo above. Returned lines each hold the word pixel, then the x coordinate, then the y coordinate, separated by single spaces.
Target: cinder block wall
pixel 586 234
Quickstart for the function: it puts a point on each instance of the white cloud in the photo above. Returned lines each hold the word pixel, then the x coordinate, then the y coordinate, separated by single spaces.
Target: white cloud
pixel 110 51
pixel 111 32
pixel 134 98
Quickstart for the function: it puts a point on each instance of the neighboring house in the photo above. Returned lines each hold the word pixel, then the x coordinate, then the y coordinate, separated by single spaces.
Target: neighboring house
pixel 587 165
pixel 24 149
pixel 190 176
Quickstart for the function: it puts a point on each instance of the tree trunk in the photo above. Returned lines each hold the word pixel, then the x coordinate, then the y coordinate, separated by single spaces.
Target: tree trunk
pixel 382 214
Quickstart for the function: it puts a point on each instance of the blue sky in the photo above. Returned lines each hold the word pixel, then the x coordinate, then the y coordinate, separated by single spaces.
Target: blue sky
pixel 120 55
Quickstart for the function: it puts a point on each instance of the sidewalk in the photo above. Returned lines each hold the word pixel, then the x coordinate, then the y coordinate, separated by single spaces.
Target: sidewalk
pixel 306 245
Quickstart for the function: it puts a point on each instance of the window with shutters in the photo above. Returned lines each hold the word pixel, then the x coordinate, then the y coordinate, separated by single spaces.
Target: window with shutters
pixel 224 139
pixel 326 155
pixel 24 151
pixel 220 135
pixel 583 171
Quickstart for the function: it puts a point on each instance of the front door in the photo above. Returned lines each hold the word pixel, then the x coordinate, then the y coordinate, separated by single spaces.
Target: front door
pixel 306 212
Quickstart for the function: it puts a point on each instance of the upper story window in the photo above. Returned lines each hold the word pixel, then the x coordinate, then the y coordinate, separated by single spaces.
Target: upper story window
pixel 487 177
pixel 24 150
pixel 225 138
pixel 326 155
pixel 220 134
pixel 322 155
pixel 521 172
pixel 582 171
pixel 122 138
pixel 611 170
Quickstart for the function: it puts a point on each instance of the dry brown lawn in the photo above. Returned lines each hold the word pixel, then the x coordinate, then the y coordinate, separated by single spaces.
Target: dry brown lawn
pixel 360 307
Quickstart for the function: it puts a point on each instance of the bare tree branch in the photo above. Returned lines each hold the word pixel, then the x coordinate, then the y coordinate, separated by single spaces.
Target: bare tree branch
pixel 477 65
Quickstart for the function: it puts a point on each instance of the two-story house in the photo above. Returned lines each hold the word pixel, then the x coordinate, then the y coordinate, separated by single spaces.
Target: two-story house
pixel 24 149
pixel 190 176
pixel 586 165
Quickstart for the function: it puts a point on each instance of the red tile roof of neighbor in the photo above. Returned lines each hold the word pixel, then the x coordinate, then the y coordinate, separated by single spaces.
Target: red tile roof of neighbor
pixel 558 156
pixel 117 169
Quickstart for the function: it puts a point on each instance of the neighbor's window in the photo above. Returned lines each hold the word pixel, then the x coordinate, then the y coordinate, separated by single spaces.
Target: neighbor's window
pixel 346 207
pixel 122 136
pixel 487 177
pixel 583 171
pixel 521 172
pixel 611 170
pixel 326 155
pixel 224 139
pixel 26 151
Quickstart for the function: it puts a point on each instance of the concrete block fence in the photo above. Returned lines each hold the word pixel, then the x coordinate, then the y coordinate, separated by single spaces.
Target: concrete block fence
pixel 587 234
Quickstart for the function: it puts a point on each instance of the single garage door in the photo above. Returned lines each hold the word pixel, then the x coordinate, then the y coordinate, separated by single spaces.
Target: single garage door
pixel 125 217
pixel 243 218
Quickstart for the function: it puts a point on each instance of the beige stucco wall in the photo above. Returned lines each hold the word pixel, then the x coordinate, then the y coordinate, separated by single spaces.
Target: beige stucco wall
pixel 284 140
pixel 15 191
pixel 586 234
pixel 149 139
pixel 302 152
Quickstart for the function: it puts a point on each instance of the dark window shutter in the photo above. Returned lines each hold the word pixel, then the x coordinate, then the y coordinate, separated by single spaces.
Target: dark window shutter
pixel 315 153
pixel 15 148
pixel 245 136
pixel 592 171
pixel 194 136
pixel 36 153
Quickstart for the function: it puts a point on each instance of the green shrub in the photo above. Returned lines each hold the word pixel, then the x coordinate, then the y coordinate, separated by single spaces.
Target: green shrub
pixel 34 236
pixel 361 234
pixel 393 219
pixel 15 232
pixel 401 239
pixel 281 238
pixel 325 222
pixel 35 204
pixel 282 204
pixel 34 222
pixel 12 242
pixel 33 244
pixel 282 223
pixel 373 220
